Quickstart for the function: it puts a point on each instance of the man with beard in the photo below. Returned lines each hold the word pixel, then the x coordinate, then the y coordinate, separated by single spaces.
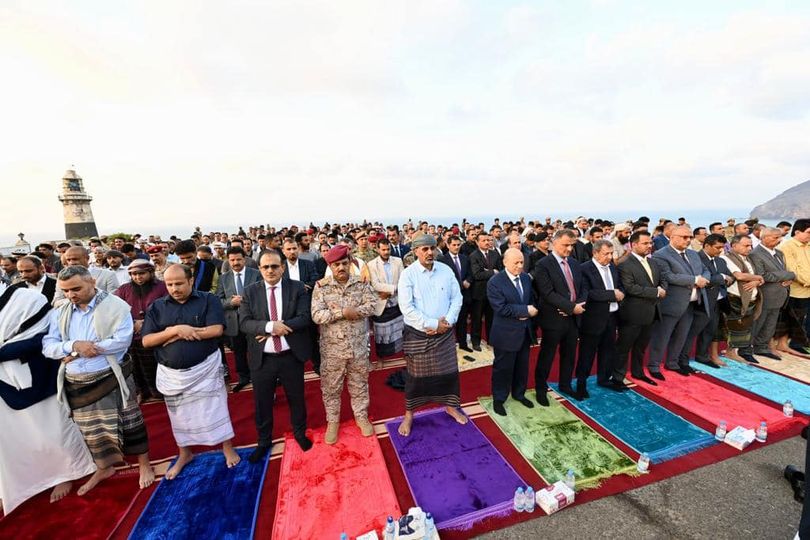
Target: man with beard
pixel 157 254
pixel 384 272
pixel 33 275
pixel 205 274
pixel 104 279
pixel 304 249
pixel 115 260
pixel 621 246
pixel 140 293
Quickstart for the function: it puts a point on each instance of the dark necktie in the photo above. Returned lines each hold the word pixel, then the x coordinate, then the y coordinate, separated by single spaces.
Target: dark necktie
pixel 274 317
pixel 458 264
pixel 519 287
pixel 396 251
pixel 569 280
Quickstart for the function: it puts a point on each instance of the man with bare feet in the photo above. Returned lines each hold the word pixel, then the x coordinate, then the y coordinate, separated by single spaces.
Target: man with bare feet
pixel 42 447
pixel 430 300
pixel 184 328
pixel 90 334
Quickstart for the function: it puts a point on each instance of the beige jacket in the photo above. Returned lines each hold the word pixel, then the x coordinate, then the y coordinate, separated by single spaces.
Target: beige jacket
pixel 379 281
pixel 797 260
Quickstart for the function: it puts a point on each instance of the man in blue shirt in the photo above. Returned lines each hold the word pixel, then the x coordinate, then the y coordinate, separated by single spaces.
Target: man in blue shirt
pixel 185 328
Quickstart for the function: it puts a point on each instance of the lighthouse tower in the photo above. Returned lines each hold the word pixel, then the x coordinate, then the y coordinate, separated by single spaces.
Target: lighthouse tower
pixel 76 203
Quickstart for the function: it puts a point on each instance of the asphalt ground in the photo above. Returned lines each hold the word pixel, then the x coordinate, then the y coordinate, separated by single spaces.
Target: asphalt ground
pixel 740 498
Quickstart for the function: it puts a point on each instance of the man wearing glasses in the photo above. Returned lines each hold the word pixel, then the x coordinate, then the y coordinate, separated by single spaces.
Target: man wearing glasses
pixel 140 293
pixel 685 277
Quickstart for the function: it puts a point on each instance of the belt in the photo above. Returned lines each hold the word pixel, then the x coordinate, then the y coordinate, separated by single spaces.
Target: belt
pixel 275 354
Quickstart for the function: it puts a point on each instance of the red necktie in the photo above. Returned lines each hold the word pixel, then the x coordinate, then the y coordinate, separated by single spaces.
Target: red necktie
pixel 274 317
pixel 569 279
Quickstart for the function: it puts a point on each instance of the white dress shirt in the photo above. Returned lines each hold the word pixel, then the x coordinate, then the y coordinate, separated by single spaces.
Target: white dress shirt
pixel 607 280
pixel 694 296
pixel 268 328
pixel 734 288
pixel 293 270
pixel 38 285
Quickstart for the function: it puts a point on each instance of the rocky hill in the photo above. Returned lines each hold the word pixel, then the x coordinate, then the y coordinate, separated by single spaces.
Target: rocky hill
pixel 792 204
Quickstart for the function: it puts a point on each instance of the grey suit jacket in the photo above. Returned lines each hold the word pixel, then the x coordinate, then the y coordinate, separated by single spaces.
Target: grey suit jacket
pixel 227 289
pixel 679 279
pixel 774 271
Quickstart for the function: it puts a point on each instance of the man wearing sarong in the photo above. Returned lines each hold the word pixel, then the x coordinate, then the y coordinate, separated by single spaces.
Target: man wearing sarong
pixel 430 300
pixel 90 334
pixel 743 300
pixel 140 293
pixel 42 447
pixel 184 328
pixel 341 305
pixel 384 272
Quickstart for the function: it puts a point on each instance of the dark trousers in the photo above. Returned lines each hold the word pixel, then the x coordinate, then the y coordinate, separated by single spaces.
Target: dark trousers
pixel 566 340
pixel 510 372
pixel 706 336
pixel 633 340
pixel 763 330
pixel 668 336
pixel 283 367
pixel 700 321
pixel 238 345
pixel 603 348
pixel 480 310
pixel 461 323
pixel 316 347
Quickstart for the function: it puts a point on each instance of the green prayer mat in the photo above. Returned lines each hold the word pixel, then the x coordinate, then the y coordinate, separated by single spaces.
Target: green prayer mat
pixel 553 440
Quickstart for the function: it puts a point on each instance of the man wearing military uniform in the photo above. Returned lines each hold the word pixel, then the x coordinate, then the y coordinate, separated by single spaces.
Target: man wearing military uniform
pixel 341 303
pixel 364 251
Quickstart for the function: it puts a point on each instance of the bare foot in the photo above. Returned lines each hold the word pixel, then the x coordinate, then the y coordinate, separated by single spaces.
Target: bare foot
pixel 183 459
pixel 231 457
pixel 98 476
pixel 405 426
pixel 732 355
pixel 147 476
pixel 716 360
pixel 60 490
pixel 774 352
pixel 457 416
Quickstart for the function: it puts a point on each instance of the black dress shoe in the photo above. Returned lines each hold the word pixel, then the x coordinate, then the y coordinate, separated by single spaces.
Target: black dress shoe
pixel 464 348
pixel 707 363
pixel 497 406
pixel 657 375
pixel 258 454
pixel 525 402
pixel 567 390
pixel 770 355
pixel 749 358
pixel 240 385
pixel 581 394
pixel 542 398
pixel 646 379
pixel 682 371
pixel 477 348
pixel 690 369
pixel 616 386
pixel 304 443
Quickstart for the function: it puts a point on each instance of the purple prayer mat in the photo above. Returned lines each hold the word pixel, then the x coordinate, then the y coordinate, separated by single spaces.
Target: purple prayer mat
pixel 453 471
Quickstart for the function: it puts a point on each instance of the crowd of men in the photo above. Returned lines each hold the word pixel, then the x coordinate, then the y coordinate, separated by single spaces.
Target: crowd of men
pixel 90 332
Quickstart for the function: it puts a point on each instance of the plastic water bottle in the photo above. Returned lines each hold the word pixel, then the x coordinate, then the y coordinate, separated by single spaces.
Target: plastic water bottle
pixel 430 528
pixel 530 502
pixel 762 431
pixel 720 432
pixel 519 501
pixel 643 465
pixel 344 536
pixel 571 480
pixel 388 532
pixel 787 408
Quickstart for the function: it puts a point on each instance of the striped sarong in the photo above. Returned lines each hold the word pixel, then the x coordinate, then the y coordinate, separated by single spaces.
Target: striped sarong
pixel 197 402
pixel 388 329
pixel 739 324
pixel 110 427
pixel 432 369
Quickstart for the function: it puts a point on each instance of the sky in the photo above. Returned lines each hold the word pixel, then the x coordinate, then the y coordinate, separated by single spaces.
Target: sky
pixel 213 113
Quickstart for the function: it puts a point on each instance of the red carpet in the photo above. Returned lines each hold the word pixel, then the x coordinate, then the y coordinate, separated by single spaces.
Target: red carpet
pixel 332 489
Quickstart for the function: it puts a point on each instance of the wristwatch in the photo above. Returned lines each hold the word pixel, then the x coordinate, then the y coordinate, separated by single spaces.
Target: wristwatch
pixel 73 354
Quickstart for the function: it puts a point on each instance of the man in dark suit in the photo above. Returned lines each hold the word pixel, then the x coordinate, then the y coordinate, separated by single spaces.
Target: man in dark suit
pixel 298 269
pixel 684 277
pixel 770 264
pixel 641 281
pixel 32 276
pixel 484 263
pixel 558 284
pixel 231 288
pixel 398 249
pixel 460 265
pixel 602 290
pixel 704 325
pixel 510 295
pixel 275 315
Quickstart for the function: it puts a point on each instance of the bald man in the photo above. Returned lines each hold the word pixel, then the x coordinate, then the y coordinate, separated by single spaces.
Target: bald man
pixel 78 256
pixel 513 305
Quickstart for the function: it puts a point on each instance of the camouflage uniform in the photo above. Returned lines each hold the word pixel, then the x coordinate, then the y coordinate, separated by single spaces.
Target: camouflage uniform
pixel 364 255
pixel 344 343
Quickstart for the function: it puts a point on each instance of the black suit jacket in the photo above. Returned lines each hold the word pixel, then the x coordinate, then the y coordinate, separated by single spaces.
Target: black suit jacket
pixel 48 288
pixel 482 270
pixel 717 283
pixel 307 272
pixel 254 315
pixel 466 272
pixel 552 291
pixel 597 297
pixel 640 305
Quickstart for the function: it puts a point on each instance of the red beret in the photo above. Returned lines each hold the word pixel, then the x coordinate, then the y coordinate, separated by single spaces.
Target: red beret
pixel 340 251
pixel 154 249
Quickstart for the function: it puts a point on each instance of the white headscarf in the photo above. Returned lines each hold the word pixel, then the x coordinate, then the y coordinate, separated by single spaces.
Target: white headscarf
pixel 23 304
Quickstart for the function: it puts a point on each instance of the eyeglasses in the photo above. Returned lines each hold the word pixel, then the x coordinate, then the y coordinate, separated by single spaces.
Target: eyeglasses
pixel 687 236
pixel 270 266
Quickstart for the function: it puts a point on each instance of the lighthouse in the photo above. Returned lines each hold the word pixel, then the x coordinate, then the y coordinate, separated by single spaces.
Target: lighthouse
pixel 79 221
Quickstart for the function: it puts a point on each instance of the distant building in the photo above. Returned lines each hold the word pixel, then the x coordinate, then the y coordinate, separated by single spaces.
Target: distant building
pixel 79 221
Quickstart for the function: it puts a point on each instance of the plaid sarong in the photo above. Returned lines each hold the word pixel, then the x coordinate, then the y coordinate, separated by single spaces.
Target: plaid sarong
pixel 432 369
pixel 388 328
pixel 110 428
pixel 739 324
